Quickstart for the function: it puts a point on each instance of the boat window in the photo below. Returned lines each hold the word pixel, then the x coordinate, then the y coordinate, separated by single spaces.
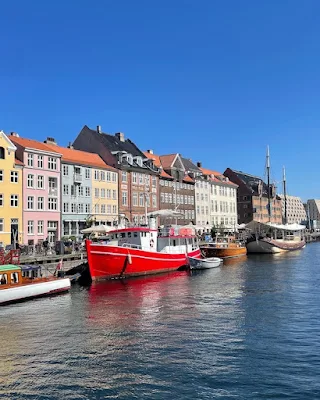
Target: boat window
pixel 14 277
pixel 3 279
pixel 135 234
pixel 123 235
pixel 151 234
pixel 174 242
pixel 116 236
pixel 129 234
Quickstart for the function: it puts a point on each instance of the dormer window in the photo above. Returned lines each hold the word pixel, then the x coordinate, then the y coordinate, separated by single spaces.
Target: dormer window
pixel 128 158
pixel 138 160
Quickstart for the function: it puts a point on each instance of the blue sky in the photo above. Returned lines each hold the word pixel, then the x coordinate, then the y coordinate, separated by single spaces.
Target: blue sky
pixel 214 80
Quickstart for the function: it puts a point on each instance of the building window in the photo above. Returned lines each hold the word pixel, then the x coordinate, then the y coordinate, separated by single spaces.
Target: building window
pixel 124 198
pixel 102 175
pixel 40 182
pixel 65 170
pixel 52 203
pixel 13 177
pixel 30 181
pixel 40 164
pixel 134 177
pixel 96 193
pixel 14 200
pixel 114 209
pixel 30 227
pixel 154 182
pixel 40 203
pixel 140 179
pixel 103 208
pixel 1 175
pixel 1 225
pixel 108 194
pixel 135 199
pixel 87 191
pixel 114 195
pixel 103 193
pixel 30 160
pixel 96 208
pixel 80 208
pixel 80 191
pixel 96 175
pixel 73 191
pixel 87 208
pixel 1 200
pixel 108 176
pixel 40 227
pixel 65 189
pixel 141 199
pixel 87 173
pixel 52 163
pixel 154 200
pixel 2 153
pixel 124 176
pixel 109 209
pixel 114 177
pixel 65 207
pixel 30 204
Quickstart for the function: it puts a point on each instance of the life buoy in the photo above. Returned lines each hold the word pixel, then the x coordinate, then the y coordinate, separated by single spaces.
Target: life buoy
pixel 151 243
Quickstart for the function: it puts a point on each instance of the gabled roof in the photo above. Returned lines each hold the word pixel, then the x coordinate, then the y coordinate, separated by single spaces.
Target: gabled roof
pixel 113 143
pixel 167 160
pixel 11 146
pixel 189 165
pixel 252 182
pixel 80 157
pixel 33 144
pixel 218 177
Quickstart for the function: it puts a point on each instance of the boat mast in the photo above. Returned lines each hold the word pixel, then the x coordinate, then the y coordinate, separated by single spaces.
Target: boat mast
pixel 285 196
pixel 268 183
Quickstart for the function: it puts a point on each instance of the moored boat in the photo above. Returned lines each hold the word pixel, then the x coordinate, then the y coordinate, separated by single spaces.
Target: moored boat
pixel 23 283
pixel 204 263
pixel 134 251
pixel 225 247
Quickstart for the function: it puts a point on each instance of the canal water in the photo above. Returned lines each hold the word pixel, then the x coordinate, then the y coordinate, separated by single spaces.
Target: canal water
pixel 247 330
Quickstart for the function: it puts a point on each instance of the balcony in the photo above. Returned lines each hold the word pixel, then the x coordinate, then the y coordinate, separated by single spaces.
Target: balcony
pixel 53 191
pixel 77 178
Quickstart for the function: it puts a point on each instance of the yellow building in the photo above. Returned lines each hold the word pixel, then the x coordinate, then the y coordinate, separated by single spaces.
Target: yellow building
pixel 11 227
pixel 105 196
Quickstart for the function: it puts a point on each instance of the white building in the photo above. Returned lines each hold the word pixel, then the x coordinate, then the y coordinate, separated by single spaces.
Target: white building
pixel 296 213
pixel 216 201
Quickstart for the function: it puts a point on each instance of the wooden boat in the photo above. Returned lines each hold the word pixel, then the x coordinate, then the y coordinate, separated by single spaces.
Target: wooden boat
pixel 204 263
pixel 23 283
pixel 225 247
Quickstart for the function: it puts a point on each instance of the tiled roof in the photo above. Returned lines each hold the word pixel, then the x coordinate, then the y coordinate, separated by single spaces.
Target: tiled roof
pixel 188 179
pixel 252 182
pixel 216 175
pixel 157 162
pixel 32 144
pixel 18 162
pixel 167 160
pixel 80 157
pixel 189 165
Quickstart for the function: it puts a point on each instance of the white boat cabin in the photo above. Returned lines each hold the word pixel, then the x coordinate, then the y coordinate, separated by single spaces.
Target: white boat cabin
pixel 173 240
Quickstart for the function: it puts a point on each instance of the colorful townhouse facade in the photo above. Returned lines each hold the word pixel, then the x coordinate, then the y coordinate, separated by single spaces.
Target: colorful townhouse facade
pixel 216 200
pixel 11 202
pixel 176 188
pixel 89 190
pixel 138 183
pixel 41 190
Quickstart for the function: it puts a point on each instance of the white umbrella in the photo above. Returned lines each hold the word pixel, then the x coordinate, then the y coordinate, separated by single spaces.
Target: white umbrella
pixel 98 229
pixel 165 213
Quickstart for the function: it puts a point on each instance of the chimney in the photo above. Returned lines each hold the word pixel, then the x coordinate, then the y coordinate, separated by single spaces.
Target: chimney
pixel 14 134
pixel 199 164
pixel 120 136
pixel 98 128
pixel 70 145
pixel 150 151
pixel 50 140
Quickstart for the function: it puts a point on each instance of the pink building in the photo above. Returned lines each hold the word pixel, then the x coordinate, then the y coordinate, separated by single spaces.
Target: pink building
pixel 41 190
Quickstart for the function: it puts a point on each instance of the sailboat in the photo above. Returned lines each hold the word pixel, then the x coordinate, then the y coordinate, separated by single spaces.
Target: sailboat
pixel 268 237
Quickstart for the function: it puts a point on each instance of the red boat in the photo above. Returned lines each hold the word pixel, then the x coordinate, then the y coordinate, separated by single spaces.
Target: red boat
pixel 138 251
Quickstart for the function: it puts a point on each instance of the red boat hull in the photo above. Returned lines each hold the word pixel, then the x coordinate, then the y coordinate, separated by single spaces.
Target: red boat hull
pixel 106 262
